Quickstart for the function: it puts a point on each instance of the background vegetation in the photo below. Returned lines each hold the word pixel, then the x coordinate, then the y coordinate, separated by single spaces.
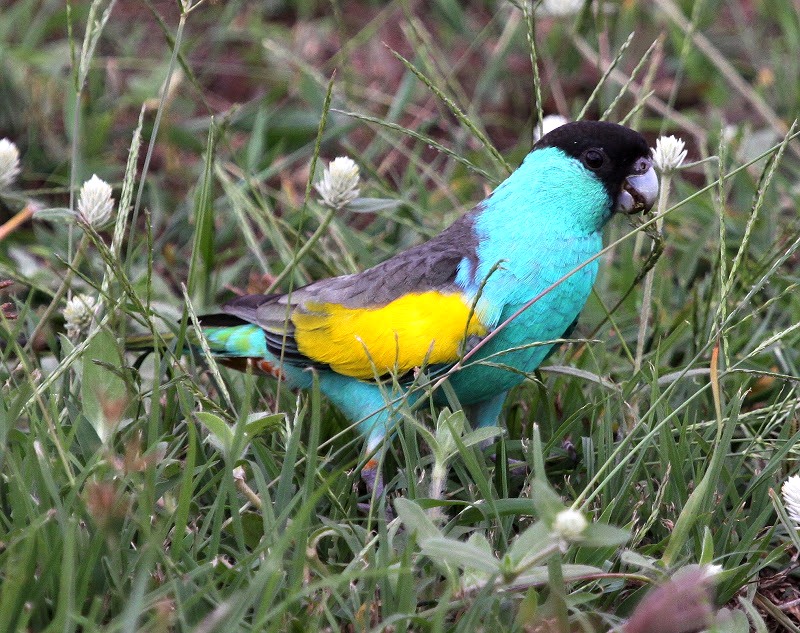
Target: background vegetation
pixel 154 492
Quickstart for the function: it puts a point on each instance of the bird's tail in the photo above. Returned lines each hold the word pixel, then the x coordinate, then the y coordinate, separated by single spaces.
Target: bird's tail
pixel 230 336
pixel 238 344
pixel 232 341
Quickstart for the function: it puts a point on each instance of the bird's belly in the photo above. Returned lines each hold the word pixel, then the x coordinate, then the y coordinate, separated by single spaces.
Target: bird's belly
pixel 518 349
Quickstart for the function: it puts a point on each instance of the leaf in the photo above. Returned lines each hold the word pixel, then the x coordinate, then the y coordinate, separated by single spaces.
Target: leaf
pixel 221 433
pixel 415 520
pixel 60 214
pixel 257 423
pixel 463 555
pixel 634 559
pixel 539 575
pixel 529 543
pixel 104 394
pixel 602 535
pixel 545 500
pixel 503 507
pixel 373 205
pixel 448 426
pixel 481 435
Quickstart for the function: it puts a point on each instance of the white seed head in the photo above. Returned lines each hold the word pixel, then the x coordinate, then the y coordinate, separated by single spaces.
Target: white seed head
pixel 78 315
pixel 791 497
pixel 560 8
pixel 548 124
pixel 95 204
pixel 9 163
pixel 569 525
pixel 669 154
pixel 339 184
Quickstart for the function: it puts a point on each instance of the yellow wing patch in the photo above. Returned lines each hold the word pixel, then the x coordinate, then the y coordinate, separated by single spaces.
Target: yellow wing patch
pixel 411 330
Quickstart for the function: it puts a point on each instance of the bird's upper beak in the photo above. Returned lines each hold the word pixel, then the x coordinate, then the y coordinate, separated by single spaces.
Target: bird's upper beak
pixel 639 190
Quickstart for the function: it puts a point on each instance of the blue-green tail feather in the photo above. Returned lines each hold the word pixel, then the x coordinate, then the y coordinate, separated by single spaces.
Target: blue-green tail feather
pixel 237 341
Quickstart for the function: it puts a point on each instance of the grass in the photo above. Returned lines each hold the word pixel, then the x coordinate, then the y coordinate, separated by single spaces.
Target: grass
pixel 160 492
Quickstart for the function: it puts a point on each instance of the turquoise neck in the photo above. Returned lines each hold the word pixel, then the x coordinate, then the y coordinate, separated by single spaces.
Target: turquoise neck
pixel 542 222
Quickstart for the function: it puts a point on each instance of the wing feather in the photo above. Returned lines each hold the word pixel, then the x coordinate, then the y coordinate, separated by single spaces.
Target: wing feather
pixel 402 313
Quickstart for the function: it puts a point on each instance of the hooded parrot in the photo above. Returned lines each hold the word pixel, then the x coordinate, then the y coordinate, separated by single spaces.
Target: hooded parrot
pixel 366 334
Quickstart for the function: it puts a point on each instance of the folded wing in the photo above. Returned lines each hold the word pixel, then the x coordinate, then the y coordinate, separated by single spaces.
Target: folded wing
pixel 404 313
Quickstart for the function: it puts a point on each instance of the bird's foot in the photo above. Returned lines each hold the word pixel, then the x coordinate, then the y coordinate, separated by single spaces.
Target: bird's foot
pixel 372 477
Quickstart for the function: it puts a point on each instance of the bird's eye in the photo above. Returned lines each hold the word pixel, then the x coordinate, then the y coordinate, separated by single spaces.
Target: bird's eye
pixel 594 159
pixel 642 165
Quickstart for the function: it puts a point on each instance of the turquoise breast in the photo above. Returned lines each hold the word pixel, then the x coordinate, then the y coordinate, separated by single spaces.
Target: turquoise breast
pixel 522 345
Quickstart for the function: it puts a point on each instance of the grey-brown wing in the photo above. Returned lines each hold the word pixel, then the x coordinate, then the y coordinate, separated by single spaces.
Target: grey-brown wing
pixel 433 265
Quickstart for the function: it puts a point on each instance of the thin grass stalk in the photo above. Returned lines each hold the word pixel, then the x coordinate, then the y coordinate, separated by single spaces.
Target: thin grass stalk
pixel 94 30
pixel 457 112
pixel 657 43
pixel 606 75
pixel 641 94
pixel 726 69
pixel 647 293
pixel 157 121
pixel 300 251
pixel 688 32
pixel 530 31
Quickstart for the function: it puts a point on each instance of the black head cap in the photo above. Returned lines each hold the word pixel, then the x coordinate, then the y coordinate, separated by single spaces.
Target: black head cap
pixel 610 150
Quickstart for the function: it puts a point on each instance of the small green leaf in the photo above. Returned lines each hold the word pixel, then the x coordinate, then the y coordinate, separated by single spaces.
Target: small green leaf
pixel 104 394
pixel 533 540
pixel 415 520
pixel 634 559
pixel 221 434
pixel 602 535
pixel 545 501
pixel 730 621
pixel 448 426
pixel 60 214
pixel 536 576
pixel 707 552
pixel 481 435
pixel 257 423
pixel 373 205
pixel 503 507
pixel 463 555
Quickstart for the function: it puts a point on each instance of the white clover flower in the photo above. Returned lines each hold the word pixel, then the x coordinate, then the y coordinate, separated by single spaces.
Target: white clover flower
pixel 339 184
pixel 78 314
pixel 9 163
pixel 569 525
pixel 95 204
pixel 669 153
pixel 791 497
pixel 548 124
pixel 730 133
pixel 560 8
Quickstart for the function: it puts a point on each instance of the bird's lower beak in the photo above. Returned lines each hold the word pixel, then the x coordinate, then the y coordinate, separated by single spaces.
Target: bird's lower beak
pixel 639 192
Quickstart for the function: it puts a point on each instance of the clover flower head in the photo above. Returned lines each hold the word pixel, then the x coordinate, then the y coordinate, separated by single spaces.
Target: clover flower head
pixel 95 204
pixel 339 184
pixel 548 124
pixel 78 315
pixel 569 525
pixel 560 8
pixel 791 497
pixel 9 163
pixel 669 154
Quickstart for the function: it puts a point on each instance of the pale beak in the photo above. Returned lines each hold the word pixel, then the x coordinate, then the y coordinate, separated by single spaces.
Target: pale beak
pixel 640 189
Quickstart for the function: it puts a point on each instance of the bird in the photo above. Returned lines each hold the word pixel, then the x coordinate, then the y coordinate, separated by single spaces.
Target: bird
pixel 368 335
